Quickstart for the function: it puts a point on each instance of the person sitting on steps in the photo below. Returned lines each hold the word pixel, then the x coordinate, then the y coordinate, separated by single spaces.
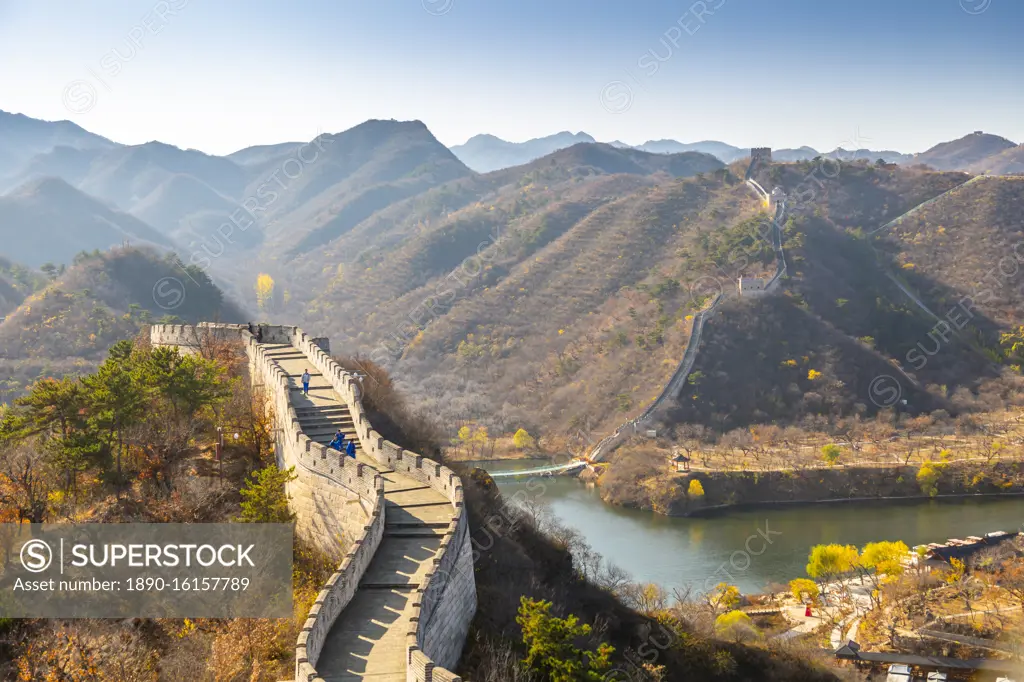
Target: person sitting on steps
pixel 350 450
pixel 338 442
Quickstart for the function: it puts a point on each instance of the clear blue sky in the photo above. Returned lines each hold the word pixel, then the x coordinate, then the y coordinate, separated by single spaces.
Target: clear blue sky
pixel 220 75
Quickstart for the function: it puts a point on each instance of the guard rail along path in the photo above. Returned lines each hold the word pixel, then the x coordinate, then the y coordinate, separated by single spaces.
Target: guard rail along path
pixel 400 604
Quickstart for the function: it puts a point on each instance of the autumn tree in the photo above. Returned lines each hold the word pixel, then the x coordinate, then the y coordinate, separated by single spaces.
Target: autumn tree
pixel 803 588
pixel 26 481
pixel 243 650
pixel 523 440
pixel 723 597
pixel 695 490
pixel 880 560
pixel 1012 345
pixel 831 453
pixel 736 625
pixel 928 477
pixel 828 562
pixel 248 413
pixel 1010 576
pixel 264 290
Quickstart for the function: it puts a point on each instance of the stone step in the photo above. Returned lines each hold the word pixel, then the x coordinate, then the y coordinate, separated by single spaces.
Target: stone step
pixel 416 505
pixel 328 420
pixel 389 586
pixel 329 429
pixel 328 426
pixel 326 437
pixel 409 489
pixel 321 409
pixel 413 533
pixel 407 525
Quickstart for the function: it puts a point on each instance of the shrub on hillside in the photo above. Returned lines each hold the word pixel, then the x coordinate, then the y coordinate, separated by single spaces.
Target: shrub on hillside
pixel 264 499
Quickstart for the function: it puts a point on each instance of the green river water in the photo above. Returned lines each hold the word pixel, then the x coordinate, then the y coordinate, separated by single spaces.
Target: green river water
pixel 735 547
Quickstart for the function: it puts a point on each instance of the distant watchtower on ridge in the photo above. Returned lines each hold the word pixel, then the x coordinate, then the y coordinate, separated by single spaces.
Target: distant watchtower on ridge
pixel 759 155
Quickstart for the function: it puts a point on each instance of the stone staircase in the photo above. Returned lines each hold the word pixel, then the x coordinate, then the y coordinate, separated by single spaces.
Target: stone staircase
pixel 368 640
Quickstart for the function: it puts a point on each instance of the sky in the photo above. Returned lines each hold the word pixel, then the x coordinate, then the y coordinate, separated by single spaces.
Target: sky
pixel 220 75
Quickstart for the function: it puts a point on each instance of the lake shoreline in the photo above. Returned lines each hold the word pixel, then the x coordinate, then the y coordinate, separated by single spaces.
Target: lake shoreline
pixel 719 510
pixel 752 545
pixel 670 494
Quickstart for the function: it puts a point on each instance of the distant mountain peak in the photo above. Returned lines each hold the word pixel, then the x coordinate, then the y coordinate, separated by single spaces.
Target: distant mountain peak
pixel 48 186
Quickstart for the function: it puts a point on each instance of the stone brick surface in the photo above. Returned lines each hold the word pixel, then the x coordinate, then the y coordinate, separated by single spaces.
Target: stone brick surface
pixel 398 607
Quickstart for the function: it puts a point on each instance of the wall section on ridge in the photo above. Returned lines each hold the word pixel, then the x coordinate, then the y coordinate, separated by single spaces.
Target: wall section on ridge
pixel 336 498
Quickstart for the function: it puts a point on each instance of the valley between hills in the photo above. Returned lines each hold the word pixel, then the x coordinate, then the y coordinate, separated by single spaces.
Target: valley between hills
pixel 536 302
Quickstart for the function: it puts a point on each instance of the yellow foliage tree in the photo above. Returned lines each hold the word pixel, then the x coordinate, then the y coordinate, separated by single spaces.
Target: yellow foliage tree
pixel 737 625
pixel 695 489
pixel 264 290
pixel 723 597
pixel 523 440
pixel 802 587
pixel 879 559
pixel 928 477
pixel 830 561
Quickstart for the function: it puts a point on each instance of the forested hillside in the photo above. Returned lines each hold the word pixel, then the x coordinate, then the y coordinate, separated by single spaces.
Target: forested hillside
pixel 66 325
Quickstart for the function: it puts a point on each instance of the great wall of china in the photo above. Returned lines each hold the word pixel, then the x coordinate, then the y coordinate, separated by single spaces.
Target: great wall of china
pixel 400 604
pixel 606 445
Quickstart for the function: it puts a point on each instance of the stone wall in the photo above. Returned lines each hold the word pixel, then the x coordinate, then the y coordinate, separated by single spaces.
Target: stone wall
pixel 670 392
pixel 332 503
pixel 446 603
pixel 335 497
pixel 338 503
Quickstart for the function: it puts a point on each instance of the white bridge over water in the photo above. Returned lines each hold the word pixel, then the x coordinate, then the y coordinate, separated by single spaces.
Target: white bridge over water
pixel 551 470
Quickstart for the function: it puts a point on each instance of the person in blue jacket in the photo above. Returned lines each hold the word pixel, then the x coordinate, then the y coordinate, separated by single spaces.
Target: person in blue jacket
pixel 338 442
pixel 351 449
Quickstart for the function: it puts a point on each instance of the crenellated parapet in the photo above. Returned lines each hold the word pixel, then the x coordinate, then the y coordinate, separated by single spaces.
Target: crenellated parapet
pixel 339 503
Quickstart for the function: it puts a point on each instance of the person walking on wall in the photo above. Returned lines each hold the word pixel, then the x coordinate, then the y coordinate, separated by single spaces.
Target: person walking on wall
pixel 305 382
pixel 350 450
pixel 259 334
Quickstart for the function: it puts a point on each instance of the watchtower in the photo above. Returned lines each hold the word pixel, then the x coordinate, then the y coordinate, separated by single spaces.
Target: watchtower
pixel 759 155
pixel 751 286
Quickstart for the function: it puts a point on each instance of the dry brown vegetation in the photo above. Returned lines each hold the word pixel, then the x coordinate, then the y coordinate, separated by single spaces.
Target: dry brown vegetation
pixel 563 308
pixel 979 598
pixel 160 468
pixel 573 315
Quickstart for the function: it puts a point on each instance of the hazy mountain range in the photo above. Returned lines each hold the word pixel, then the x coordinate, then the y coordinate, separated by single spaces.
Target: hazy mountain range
pixel 64 189
pixel 551 290
pixel 975 152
